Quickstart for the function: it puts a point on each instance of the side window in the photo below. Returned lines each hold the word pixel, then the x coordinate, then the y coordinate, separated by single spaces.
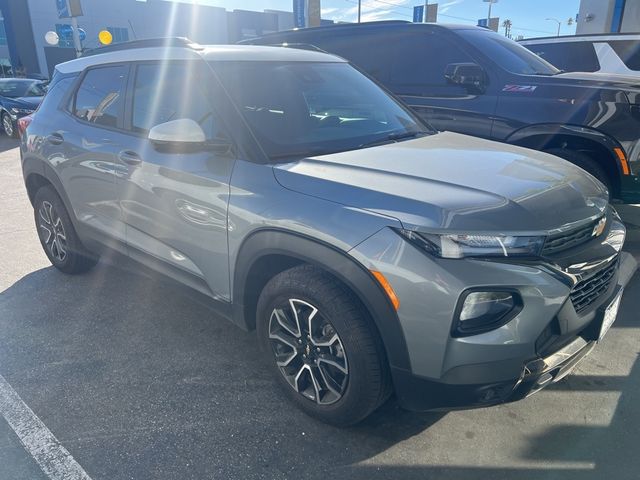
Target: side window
pixel 100 97
pixel 628 51
pixel 364 51
pixel 421 61
pixel 568 56
pixel 162 93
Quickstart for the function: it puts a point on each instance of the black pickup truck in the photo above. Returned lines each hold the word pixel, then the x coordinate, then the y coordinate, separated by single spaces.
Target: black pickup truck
pixel 470 80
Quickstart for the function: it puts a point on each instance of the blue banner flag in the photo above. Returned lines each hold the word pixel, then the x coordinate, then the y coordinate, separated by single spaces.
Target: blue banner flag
pixel 418 14
pixel 299 13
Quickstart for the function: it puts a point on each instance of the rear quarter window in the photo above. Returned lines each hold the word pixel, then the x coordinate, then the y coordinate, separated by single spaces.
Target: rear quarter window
pixel 568 56
pixel 56 93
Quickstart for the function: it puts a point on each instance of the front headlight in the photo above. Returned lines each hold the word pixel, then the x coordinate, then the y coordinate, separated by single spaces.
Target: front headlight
pixel 465 245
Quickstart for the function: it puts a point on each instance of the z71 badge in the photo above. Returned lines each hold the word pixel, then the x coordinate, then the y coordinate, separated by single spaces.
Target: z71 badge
pixel 519 88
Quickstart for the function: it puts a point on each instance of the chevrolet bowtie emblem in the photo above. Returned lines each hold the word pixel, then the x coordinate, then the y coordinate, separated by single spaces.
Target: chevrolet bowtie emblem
pixel 599 227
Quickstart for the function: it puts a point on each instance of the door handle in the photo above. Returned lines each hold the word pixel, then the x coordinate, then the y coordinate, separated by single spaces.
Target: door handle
pixel 130 158
pixel 55 139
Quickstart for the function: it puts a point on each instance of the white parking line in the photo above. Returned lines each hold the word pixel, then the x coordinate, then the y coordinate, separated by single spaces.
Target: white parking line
pixel 54 460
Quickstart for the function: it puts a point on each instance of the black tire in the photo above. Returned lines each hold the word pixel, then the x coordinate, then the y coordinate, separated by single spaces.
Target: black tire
pixel 585 162
pixel 8 127
pixel 62 246
pixel 368 383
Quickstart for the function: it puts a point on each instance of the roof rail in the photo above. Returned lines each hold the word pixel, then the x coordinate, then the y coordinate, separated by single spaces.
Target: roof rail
pixel 299 46
pixel 331 26
pixel 178 42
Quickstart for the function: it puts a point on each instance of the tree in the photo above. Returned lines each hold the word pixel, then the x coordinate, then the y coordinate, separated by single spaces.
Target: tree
pixel 507 24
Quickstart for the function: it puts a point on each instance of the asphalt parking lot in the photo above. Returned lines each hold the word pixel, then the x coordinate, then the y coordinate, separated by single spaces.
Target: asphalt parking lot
pixel 137 380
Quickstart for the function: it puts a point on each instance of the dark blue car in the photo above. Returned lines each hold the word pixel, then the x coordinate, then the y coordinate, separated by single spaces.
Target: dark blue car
pixel 18 97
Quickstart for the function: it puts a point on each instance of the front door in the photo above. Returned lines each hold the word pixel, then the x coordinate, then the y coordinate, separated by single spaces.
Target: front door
pixel 175 203
pixel 417 76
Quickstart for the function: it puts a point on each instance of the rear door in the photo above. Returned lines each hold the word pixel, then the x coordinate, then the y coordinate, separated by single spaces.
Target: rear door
pixel 83 149
pixel 175 204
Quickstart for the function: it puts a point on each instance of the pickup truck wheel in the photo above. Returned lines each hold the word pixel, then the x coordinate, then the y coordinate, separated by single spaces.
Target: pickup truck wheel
pixel 321 346
pixel 585 162
pixel 57 235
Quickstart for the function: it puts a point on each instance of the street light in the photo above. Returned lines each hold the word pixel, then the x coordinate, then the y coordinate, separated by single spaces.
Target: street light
pixel 359 9
pixel 558 22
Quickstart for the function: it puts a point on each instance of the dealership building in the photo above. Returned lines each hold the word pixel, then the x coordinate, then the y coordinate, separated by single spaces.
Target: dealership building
pixel 24 23
pixel 608 16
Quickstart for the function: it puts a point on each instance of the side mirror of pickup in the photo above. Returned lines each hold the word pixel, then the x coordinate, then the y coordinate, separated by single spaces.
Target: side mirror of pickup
pixel 468 75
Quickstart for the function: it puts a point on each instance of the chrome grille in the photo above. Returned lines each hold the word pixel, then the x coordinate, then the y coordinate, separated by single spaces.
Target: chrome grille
pixel 589 290
pixel 572 238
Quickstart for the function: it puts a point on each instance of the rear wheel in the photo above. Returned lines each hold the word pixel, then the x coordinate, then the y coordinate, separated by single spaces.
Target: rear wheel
pixel 322 347
pixel 585 162
pixel 57 235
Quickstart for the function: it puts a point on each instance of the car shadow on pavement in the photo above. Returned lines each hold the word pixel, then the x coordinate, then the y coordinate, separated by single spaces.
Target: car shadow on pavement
pixel 128 371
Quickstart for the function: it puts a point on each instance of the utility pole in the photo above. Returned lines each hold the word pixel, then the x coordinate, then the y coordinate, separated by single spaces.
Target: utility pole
pixel 76 36
pixel 359 10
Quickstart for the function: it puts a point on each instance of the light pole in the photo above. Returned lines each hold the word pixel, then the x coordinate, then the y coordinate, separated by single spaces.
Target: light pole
pixel 558 22
pixel 359 9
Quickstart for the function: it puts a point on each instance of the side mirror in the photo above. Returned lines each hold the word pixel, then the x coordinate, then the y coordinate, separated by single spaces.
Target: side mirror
pixel 181 132
pixel 468 75
pixel 184 136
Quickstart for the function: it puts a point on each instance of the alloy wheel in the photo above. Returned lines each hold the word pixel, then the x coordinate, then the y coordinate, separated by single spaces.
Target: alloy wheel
pixel 308 351
pixel 7 125
pixel 52 230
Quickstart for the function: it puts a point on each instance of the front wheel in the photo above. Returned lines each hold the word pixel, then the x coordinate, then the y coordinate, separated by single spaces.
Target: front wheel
pixel 57 235
pixel 321 344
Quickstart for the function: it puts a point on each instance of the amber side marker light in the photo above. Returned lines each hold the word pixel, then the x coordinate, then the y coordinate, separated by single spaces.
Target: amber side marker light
pixel 387 288
pixel 623 161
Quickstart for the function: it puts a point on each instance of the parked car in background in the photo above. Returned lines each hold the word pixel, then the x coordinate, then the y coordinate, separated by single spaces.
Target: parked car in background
pixel 18 97
pixel 605 53
pixel 470 80
pixel 371 253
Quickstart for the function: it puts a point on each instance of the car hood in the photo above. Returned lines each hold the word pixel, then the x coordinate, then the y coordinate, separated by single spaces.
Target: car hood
pixel 452 181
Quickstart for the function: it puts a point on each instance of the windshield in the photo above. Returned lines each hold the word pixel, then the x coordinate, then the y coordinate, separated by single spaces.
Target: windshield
pixel 21 88
pixel 305 108
pixel 510 55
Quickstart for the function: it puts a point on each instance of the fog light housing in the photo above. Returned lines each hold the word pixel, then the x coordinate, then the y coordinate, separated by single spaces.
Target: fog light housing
pixel 482 311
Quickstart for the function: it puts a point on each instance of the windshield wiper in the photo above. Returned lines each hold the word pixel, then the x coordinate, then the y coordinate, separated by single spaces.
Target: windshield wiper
pixel 391 138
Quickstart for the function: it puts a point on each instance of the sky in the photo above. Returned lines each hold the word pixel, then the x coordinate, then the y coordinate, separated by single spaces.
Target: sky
pixel 528 17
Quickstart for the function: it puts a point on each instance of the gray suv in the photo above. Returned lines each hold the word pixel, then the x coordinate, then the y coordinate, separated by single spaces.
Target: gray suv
pixel 373 255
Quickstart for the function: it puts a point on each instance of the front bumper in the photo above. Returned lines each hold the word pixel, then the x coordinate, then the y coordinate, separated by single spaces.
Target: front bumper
pixel 514 360
pixel 421 394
